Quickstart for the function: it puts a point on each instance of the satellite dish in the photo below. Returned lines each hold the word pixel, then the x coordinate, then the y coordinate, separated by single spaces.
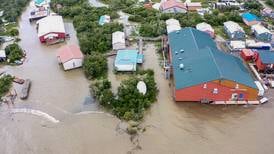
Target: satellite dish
pixel 142 88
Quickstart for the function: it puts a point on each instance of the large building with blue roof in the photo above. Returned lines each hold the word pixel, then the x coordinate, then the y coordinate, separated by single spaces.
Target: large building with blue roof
pixel 203 73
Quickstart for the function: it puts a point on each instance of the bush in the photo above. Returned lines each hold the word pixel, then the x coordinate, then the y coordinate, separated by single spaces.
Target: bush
pixel 12 8
pixel 95 66
pixel 270 3
pixel 14 52
pixel 5 84
pixel 129 104
pixel 13 32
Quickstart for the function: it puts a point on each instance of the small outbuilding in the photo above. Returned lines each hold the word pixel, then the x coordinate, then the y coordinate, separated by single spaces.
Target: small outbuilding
pixel 126 60
pixel 234 30
pixel 104 19
pixel 172 25
pixel 261 33
pixel 250 19
pixel 51 29
pixel 251 44
pixel 3 56
pixel 193 6
pixel 173 6
pixel 118 40
pixel 40 3
pixel 70 56
pixel 236 45
pixel 264 60
pixel 247 54
pixel 207 28
pixel 267 12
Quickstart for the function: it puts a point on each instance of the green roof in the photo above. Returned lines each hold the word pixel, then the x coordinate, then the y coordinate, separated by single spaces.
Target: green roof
pixel 202 61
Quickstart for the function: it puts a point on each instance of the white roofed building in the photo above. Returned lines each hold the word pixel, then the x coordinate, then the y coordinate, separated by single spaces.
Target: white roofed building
pixel 118 40
pixel 205 27
pixel 234 30
pixel 172 25
pixel 261 33
pixel 51 29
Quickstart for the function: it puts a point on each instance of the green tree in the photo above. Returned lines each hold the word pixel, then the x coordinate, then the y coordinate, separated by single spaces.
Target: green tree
pixel 95 65
pixel 14 52
pixel 5 84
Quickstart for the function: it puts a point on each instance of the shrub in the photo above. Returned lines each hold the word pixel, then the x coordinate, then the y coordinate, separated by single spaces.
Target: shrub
pixel 95 65
pixel 5 84
pixel 14 52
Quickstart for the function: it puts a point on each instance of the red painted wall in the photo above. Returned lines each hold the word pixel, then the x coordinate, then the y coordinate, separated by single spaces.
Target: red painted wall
pixel 60 36
pixel 198 92
pixel 259 64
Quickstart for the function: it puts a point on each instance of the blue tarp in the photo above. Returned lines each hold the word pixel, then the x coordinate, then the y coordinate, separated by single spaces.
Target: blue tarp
pixel 266 56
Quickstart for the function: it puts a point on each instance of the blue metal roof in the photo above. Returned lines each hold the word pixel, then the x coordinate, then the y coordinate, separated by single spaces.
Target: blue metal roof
pixel 126 57
pixel 202 61
pixel 266 56
pixel 250 17
pixel 39 1
pixel 102 20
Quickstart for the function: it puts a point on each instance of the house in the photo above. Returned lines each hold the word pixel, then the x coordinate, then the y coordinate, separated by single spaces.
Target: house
pixel 261 33
pixel 172 25
pixel 193 6
pixel 104 19
pixel 173 6
pixel 205 27
pixel 39 13
pixel 251 44
pixel 126 60
pixel 203 11
pixel 236 45
pixel 203 73
pixel 250 19
pixel 267 12
pixel 118 40
pixel 40 3
pixel 247 54
pixel 70 56
pixel 3 56
pixel 264 60
pixel 228 1
pixel 234 30
pixel 51 29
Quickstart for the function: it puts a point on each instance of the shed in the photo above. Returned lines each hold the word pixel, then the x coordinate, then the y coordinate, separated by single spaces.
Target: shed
pixel 51 29
pixel 261 33
pixel 234 30
pixel 104 19
pixel 268 13
pixel 193 6
pixel 172 25
pixel 173 6
pixel 203 73
pixel 237 45
pixel 3 56
pixel 247 54
pixel 250 19
pixel 70 56
pixel 205 27
pixel 126 60
pixel 118 40
pixel 251 44
pixel 264 60
pixel 40 3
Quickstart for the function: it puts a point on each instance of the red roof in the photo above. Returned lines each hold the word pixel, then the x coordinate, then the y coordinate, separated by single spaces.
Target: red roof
pixel 69 52
pixel 172 3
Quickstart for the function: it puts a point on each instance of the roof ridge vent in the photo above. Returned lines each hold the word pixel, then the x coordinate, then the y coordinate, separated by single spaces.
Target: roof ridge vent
pixel 182 50
pixel 176 52
pixel 180 58
pixel 177 32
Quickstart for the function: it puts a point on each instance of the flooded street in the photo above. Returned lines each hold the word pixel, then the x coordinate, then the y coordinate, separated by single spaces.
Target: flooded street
pixel 63 95
pixel 171 128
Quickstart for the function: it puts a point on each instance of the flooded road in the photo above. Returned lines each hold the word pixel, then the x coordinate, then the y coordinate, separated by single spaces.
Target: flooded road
pixel 171 128
pixel 55 96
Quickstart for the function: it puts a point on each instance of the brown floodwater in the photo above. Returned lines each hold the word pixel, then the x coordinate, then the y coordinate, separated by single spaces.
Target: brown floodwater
pixel 171 128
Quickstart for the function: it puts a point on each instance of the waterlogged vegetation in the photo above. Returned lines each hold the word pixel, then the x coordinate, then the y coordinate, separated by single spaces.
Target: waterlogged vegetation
pixel 5 84
pixel 95 66
pixel 14 52
pixel 12 9
pixel 129 103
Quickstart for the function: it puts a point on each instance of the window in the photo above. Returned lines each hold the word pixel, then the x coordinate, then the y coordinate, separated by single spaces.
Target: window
pixel 205 86
pixel 215 91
